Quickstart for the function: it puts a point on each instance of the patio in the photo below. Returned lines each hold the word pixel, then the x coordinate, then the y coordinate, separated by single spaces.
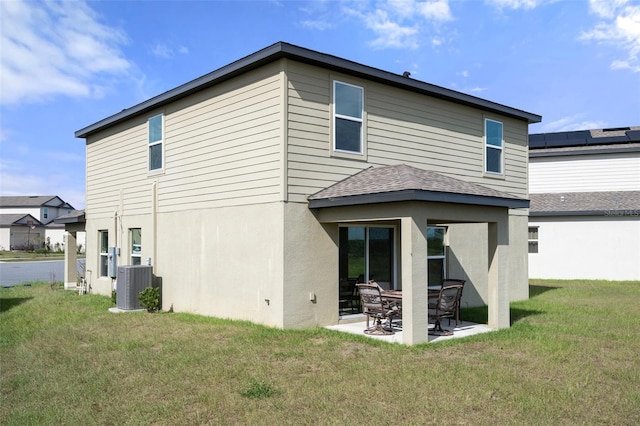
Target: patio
pixel 465 329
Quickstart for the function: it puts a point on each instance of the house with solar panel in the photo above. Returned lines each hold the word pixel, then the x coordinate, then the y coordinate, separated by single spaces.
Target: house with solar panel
pixel 584 220
pixel 255 190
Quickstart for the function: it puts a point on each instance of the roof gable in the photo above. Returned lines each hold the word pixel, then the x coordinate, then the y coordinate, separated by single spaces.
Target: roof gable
pixel 406 183
pixel 282 50
pixel 11 219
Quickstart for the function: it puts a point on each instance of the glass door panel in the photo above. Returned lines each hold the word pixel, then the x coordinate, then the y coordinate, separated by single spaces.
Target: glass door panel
pixel 381 257
pixel 365 253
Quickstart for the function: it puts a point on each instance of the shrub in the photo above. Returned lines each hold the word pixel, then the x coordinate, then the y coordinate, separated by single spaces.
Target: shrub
pixel 150 299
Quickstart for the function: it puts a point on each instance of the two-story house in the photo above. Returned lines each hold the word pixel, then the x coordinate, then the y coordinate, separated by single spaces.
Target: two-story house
pixel 585 204
pixel 28 221
pixel 253 190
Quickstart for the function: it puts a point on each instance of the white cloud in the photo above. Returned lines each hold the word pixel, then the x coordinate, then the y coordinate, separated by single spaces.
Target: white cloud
pixel 55 48
pixel 478 89
pixel 516 4
pixel 165 51
pixel 402 23
pixel 572 123
pixel 619 27
pixel 21 177
pixel 318 25
pixel 438 11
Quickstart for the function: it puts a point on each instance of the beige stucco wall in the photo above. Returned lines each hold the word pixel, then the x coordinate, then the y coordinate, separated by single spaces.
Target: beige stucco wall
pixel 468 259
pixel 310 269
pixel 225 262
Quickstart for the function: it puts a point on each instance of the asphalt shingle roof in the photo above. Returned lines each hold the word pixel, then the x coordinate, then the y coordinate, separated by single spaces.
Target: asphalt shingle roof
pixel 29 201
pixel 8 219
pixel 614 203
pixel 402 183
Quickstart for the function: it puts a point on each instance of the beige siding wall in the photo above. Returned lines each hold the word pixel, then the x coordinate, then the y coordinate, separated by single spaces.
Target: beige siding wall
pixel 400 127
pixel 222 147
pixel 585 173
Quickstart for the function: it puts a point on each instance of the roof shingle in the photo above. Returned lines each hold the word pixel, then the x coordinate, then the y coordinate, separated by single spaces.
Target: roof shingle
pixel 402 182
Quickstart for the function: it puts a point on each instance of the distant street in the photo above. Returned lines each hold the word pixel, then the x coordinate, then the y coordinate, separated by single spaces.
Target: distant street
pixel 12 273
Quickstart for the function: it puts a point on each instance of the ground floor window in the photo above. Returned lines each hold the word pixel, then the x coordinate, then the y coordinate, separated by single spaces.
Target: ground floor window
pixel 533 239
pixel 366 253
pixel 103 238
pixel 436 255
pixel 135 237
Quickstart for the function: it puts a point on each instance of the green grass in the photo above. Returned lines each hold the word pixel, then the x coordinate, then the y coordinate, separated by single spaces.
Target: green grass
pixel 570 357
pixel 23 256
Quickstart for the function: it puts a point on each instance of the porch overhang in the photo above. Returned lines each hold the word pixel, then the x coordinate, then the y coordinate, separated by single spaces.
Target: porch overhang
pixel 400 183
pixel 419 195
pixel 412 198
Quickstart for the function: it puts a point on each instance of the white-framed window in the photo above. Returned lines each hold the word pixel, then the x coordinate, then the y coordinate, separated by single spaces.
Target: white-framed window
pixel 135 236
pixel 155 130
pixel 533 239
pixel 436 255
pixel 494 146
pixel 348 112
pixel 103 238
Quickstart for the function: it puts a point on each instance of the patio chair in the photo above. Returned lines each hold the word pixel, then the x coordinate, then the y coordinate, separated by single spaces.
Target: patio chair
pixel 445 306
pixel 349 301
pixel 373 306
pixel 450 281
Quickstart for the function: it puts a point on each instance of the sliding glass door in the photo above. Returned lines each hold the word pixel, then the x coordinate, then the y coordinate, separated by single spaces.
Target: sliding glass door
pixel 366 253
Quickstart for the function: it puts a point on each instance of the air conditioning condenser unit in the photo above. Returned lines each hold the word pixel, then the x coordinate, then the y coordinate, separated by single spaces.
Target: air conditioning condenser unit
pixel 130 282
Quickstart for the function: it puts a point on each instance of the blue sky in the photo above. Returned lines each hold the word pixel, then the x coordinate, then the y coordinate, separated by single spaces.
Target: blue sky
pixel 66 65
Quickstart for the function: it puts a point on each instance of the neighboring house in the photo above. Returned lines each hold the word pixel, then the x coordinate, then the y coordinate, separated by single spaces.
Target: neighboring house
pixel 584 220
pixel 255 189
pixel 45 208
pixel 20 231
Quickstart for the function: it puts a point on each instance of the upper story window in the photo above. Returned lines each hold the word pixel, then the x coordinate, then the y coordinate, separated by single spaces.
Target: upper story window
pixel 348 103
pixel 494 147
pixel 45 213
pixel 156 136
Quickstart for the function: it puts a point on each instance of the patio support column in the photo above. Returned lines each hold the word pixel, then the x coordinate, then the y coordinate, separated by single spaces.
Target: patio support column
pixel 70 260
pixel 498 280
pixel 414 277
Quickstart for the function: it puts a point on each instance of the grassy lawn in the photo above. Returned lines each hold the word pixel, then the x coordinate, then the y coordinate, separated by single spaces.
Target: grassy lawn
pixel 18 256
pixel 572 356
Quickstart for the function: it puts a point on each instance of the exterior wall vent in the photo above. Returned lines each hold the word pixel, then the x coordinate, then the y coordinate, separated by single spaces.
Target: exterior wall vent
pixel 130 282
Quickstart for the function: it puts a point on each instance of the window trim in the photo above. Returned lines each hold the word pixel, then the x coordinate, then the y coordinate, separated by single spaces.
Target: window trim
pixel 102 254
pixel 334 116
pixel 133 256
pixel 155 143
pixel 442 256
pixel 487 146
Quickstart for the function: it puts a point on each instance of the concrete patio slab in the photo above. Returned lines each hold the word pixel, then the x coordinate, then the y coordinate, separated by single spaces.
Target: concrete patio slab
pixel 465 329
